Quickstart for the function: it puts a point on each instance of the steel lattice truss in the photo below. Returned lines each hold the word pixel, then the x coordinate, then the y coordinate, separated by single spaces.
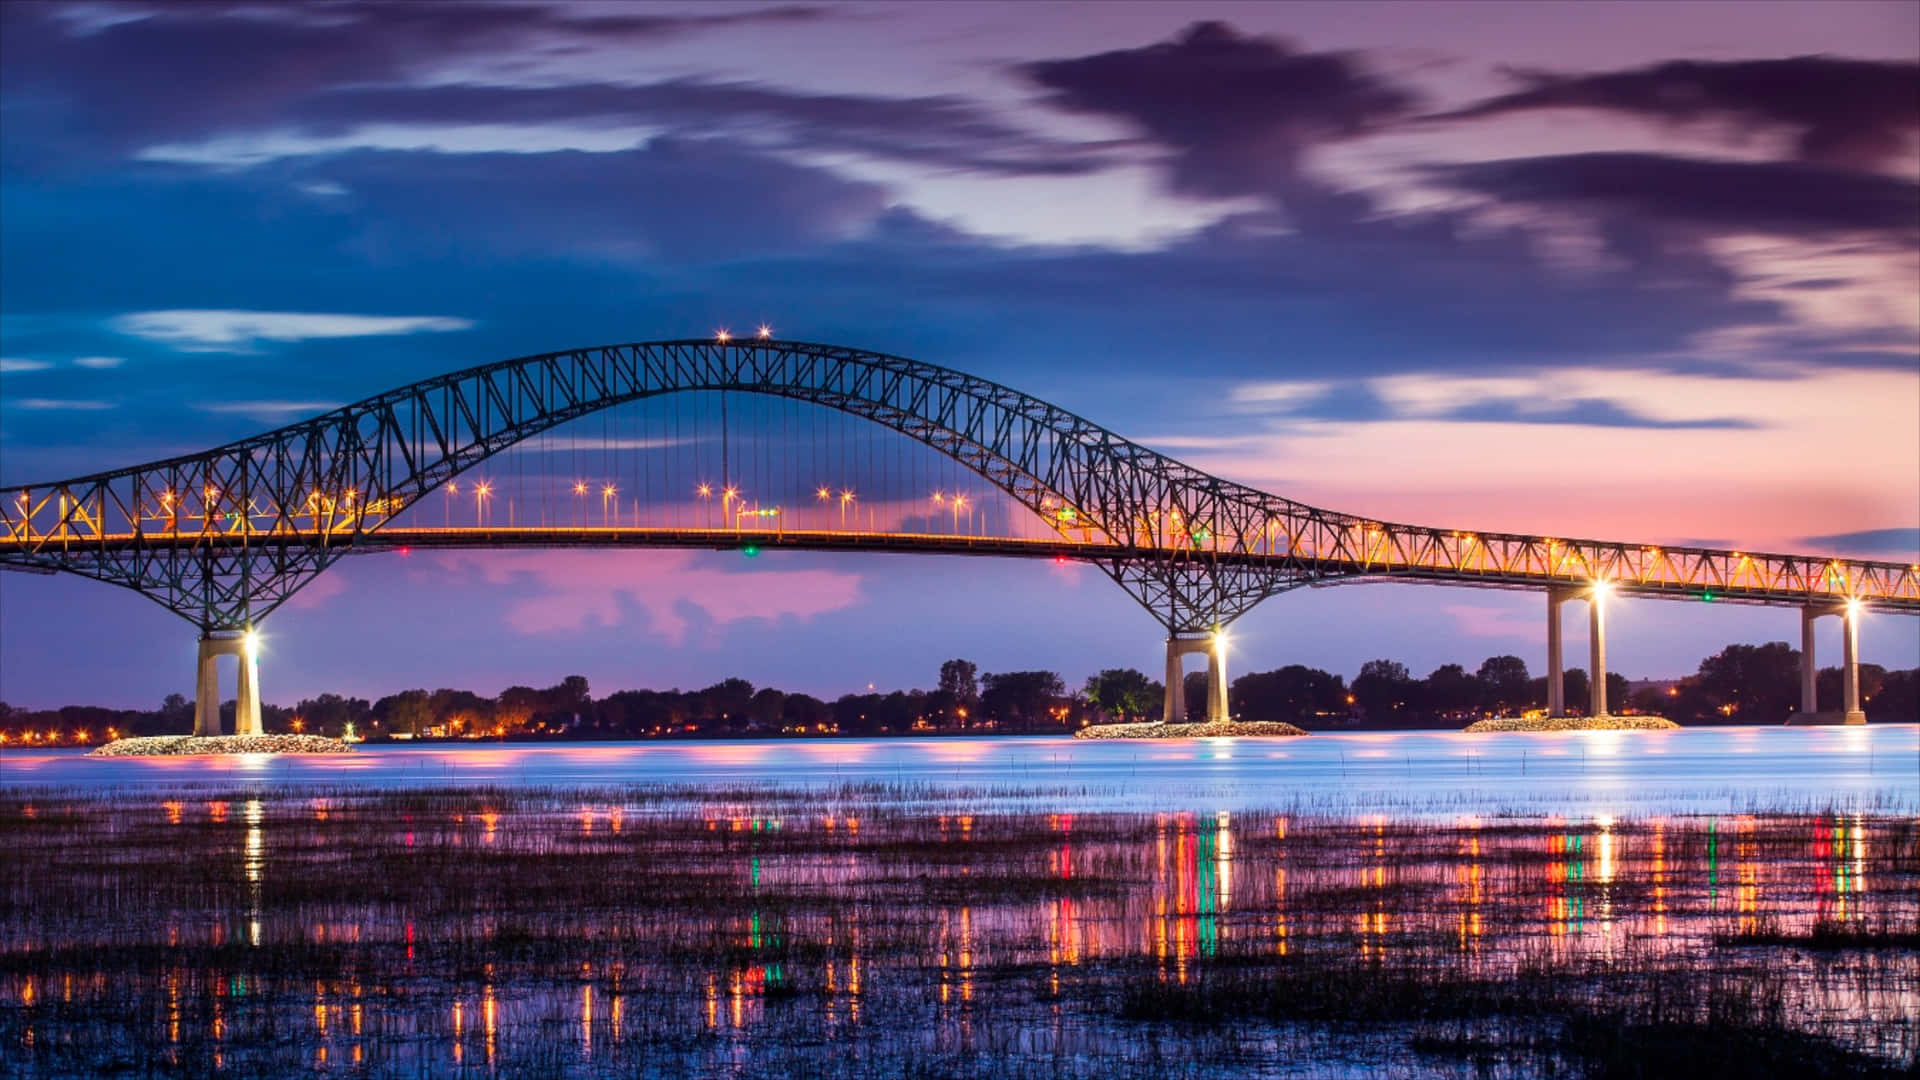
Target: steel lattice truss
pixel 225 536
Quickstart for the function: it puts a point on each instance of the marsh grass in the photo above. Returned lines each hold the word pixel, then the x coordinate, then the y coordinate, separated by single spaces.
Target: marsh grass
pixel 871 930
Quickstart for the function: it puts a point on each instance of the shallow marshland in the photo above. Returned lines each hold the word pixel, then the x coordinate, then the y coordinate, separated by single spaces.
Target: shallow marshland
pixel 875 931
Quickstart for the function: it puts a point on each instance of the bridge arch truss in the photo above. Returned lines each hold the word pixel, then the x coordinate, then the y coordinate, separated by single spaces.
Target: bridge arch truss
pixel 225 536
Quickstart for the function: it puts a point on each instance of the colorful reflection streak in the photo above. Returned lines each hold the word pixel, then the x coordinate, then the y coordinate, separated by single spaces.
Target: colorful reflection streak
pixel 419 931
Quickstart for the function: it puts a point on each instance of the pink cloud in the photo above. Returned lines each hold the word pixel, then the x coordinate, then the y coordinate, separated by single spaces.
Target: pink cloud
pixel 1477 621
pixel 571 589
pixel 315 594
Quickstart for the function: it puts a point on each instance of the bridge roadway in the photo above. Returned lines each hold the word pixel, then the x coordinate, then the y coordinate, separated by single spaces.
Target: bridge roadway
pixel 1668 574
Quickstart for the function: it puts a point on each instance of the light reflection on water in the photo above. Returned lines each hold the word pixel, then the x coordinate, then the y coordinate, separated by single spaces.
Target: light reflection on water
pixel 1693 770
pixel 553 908
pixel 646 921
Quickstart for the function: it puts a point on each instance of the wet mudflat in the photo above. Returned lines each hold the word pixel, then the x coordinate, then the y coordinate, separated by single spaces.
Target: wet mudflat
pixel 870 930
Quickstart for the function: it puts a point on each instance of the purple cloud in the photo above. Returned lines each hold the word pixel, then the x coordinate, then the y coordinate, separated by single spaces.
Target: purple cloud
pixel 1782 198
pixel 1238 113
pixel 942 131
pixel 1840 112
pixel 160 70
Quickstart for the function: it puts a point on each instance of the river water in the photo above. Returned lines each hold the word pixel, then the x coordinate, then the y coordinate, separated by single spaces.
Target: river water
pixel 1875 768
pixel 1361 904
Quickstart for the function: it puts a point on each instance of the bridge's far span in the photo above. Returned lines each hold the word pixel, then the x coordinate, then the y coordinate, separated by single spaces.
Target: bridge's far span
pixel 225 536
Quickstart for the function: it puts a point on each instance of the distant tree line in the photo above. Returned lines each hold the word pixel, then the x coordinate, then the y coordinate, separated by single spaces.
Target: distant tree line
pixel 1741 684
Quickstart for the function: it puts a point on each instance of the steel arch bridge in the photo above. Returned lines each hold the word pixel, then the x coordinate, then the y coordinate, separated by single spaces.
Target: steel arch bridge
pixel 225 536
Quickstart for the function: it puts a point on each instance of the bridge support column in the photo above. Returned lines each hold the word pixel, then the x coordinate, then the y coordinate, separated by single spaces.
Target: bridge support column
pixel 206 696
pixel 1556 661
pixel 206 705
pixel 1214 646
pixel 1175 711
pixel 1597 644
pixel 246 712
pixel 1850 664
pixel 1809 667
pixel 1217 712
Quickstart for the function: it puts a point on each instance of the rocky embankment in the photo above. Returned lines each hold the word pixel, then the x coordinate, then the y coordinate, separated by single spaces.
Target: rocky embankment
pixel 1158 730
pixel 1575 723
pixel 171 745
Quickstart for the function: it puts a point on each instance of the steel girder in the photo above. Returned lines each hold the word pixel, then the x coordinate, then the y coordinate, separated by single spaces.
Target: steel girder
pixel 225 536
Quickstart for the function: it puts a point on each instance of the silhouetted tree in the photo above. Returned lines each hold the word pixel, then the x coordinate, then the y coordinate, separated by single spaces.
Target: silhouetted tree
pixel 958 681
pixel 726 701
pixel 805 711
pixel 410 711
pixel 1382 690
pixel 767 708
pixel 1451 692
pixel 1294 693
pixel 1832 695
pixel 1897 698
pixel 1743 684
pixel 1508 688
pixel 329 714
pixel 1124 692
pixel 1021 697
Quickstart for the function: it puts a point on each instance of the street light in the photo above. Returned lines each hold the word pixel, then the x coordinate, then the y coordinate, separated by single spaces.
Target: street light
pixel 845 498
pixel 606 494
pixel 480 493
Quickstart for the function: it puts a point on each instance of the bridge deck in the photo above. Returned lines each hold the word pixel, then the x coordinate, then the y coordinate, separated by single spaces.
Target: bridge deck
pixel 1665 578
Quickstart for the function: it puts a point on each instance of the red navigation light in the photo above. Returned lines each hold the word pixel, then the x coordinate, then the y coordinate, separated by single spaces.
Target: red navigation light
pixel 405 551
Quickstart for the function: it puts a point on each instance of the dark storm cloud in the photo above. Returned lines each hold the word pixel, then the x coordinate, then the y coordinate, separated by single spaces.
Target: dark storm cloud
pixel 1239 113
pixel 1782 198
pixel 1887 543
pixel 1859 113
pixel 946 132
pixel 119 76
pixel 1407 293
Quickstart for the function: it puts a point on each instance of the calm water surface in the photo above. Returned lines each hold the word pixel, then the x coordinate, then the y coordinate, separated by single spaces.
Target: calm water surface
pixel 1015 907
pixel 1701 770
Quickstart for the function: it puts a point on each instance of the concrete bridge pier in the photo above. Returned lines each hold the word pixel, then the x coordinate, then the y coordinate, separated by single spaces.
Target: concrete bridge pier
pixel 1214 646
pixel 1850 708
pixel 1595 597
pixel 1849 616
pixel 1597 644
pixel 243 647
pixel 1556 662
pixel 1809 667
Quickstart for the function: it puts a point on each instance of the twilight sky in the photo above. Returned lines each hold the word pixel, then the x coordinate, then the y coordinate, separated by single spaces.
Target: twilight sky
pixel 1647 272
